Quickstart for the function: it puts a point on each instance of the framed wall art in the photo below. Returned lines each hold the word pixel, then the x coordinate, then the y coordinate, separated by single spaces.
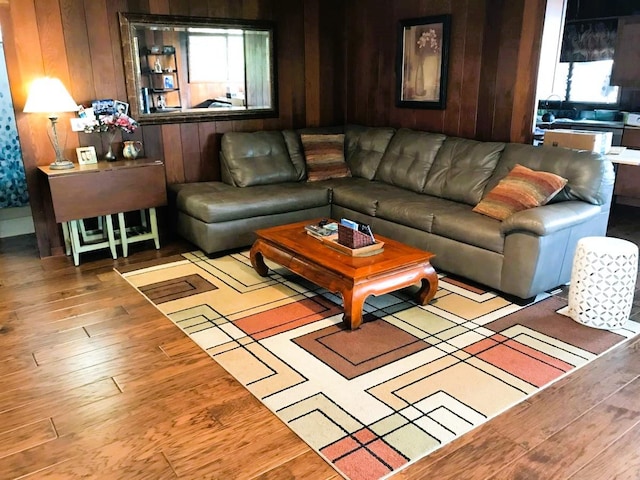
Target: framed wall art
pixel 422 61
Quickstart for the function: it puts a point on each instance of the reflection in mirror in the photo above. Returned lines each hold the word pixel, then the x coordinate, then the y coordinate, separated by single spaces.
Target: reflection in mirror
pixel 185 69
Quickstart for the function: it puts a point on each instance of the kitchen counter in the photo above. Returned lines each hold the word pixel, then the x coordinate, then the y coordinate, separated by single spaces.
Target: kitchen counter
pixel 616 128
pixel 626 157
pixel 577 124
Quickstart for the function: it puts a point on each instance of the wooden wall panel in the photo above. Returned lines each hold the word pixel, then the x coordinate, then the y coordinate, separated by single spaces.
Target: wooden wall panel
pixel 493 59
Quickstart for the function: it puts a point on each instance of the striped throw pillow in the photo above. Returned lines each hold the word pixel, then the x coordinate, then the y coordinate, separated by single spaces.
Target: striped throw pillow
pixel 324 156
pixel 521 189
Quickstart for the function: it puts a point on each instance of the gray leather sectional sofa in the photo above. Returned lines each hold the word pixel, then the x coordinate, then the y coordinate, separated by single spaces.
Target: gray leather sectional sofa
pixel 416 187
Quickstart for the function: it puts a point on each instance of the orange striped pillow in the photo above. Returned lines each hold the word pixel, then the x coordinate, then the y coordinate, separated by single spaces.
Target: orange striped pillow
pixel 324 156
pixel 521 189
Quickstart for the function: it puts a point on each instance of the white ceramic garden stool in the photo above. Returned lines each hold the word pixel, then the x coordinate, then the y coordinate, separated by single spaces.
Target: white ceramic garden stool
pixel 603 280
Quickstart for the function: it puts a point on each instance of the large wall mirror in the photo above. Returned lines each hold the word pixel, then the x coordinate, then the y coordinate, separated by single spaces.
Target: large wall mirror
pixel 188 69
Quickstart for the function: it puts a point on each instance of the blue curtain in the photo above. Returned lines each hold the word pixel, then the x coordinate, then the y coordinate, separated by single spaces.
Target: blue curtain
pixel 13 185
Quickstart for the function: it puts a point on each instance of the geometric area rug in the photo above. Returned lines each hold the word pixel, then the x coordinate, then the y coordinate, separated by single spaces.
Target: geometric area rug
pixel 371 401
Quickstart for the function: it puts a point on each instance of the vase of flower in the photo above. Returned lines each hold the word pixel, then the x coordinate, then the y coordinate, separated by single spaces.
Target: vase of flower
pixel 427 52
pixel 110 124
pixel 110 156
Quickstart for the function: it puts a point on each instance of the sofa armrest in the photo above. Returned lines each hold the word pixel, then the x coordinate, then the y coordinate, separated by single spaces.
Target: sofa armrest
pixel 551 218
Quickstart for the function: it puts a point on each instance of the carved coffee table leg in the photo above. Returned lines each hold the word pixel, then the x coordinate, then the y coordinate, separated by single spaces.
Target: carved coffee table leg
pixel 353 302
pixel 429 285
pixel 257 260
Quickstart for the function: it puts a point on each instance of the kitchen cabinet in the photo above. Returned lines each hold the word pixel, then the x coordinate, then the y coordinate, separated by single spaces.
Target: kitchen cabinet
pixel 627 187
pixel 626 59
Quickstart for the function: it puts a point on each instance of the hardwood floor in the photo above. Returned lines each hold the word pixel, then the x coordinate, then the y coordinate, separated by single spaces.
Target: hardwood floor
pixel 96 383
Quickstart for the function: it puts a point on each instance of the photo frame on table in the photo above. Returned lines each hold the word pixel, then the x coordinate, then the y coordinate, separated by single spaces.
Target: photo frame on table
pixel 121 107
pixel 86 155
pixel 105 106
pixel 422 62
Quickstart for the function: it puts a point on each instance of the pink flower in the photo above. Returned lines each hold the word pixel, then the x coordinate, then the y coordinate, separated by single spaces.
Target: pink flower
pixel 109 123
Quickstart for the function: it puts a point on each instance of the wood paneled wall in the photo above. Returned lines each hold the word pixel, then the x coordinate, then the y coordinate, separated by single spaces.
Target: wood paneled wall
pixel 79 42
pixel 336 64
pixel 493 62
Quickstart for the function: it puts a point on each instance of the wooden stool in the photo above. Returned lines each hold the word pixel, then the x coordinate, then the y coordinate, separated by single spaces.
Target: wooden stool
pixel 79 240
pixel 148 230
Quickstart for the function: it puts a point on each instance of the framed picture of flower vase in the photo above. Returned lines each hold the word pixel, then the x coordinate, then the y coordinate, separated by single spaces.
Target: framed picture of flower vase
pixel 422 62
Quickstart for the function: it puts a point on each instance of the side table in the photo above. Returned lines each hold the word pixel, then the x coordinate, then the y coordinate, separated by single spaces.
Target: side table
pixel 105 188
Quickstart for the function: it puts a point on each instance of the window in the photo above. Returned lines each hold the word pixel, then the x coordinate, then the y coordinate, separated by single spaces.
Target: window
pixel 585 82
pixel 224 51
pixel 576 59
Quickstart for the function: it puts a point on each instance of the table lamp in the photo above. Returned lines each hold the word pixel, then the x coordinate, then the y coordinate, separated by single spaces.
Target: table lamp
pixel 48 95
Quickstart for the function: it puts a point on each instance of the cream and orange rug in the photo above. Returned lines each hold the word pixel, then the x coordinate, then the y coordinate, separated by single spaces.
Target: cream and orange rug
pixel 371 401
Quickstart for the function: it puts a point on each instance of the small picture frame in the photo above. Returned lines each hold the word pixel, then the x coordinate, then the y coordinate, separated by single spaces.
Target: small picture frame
pixel 104 106
pixel 86 155
pixel 122 108
pixel 167 82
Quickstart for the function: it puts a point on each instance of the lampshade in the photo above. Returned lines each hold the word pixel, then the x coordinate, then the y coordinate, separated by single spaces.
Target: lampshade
pixel 48 95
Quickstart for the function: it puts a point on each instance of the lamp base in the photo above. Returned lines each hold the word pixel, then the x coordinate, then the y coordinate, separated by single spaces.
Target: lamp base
pixel 61 165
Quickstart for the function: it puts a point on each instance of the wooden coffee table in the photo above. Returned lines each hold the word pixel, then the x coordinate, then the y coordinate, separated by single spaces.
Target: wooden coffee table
pixel 355 278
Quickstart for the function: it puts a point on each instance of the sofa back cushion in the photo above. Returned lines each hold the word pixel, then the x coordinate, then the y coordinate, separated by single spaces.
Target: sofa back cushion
pixel 462 169
pixel 409 158
pixel 257 158
pixel 365 147
pixel 589 175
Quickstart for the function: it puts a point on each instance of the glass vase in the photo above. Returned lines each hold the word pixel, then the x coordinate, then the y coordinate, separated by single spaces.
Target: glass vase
pixel 110 156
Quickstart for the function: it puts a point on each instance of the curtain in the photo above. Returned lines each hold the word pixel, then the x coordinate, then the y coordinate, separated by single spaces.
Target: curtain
pixel 13 185
pixel 589 41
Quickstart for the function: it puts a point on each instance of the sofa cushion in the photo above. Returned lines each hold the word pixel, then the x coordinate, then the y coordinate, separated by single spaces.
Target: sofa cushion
pixel 590 175
pixel 409 158
pixel 463 225
pixel 257 158
pixel 296 153
pixel 324 156
pixel 521 189
pixel 365 147
pixel 462 169
pixel 361 195
pixel 414 210
pixel 214 202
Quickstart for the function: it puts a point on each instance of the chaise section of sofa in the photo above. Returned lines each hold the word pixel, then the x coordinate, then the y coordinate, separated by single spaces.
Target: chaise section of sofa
pixel 417 187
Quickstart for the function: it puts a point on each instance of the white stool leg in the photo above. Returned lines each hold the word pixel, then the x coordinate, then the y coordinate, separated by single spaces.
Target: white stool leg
pixel 123 234
pixel 75 242
pixel 112 237
pixel 154 227
pixel 67 239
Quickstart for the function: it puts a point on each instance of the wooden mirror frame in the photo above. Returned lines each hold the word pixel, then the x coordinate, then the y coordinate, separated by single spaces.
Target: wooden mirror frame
pixel 129 22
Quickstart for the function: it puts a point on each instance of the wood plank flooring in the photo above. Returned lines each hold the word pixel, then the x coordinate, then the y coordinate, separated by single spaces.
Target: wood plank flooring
pixel 96 383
